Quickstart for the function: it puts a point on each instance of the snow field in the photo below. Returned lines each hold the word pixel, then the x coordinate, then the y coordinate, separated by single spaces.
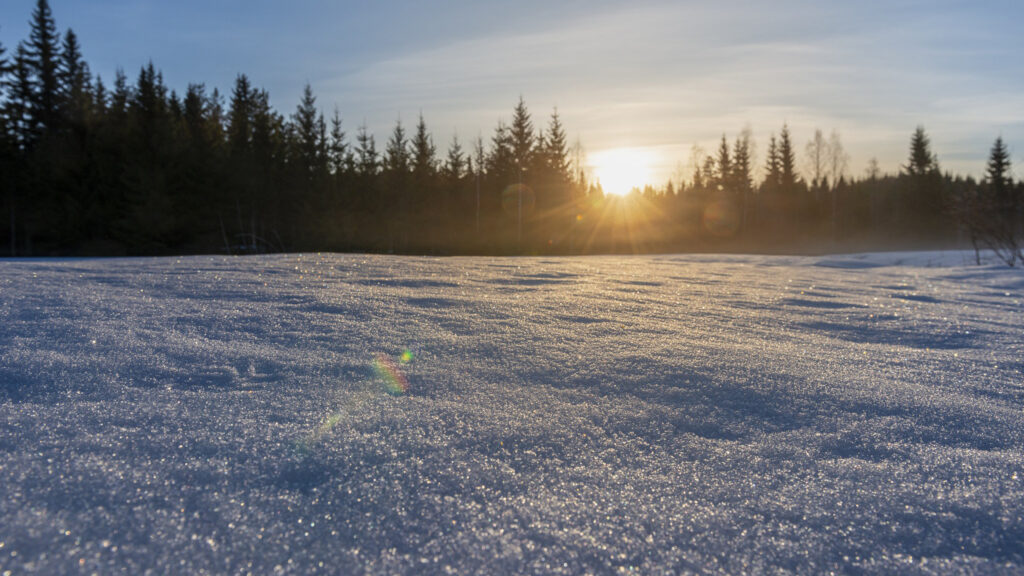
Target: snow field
pixel 655 414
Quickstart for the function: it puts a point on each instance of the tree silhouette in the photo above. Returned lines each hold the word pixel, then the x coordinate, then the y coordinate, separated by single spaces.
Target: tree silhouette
pixel 773 167
pixel 923 204
pixel 741 177
pixel 922 161
pixel 787 163
pixel 991 213
pixel 723 167
pixel 42 53
pixel 140 169
pixel 522 138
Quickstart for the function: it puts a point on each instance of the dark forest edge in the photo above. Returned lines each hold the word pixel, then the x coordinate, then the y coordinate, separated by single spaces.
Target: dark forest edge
pixel 140 170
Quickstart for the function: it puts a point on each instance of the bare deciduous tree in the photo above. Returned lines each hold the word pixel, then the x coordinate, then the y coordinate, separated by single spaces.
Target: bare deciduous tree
pixel 838 159
pixel 817 158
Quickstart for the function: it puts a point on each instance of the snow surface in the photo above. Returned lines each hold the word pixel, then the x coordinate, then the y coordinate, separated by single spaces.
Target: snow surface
pixel 655 414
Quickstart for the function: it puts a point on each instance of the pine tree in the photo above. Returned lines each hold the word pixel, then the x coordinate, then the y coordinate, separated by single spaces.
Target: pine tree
pixel 322 145
pixel 305 127
pixel 338 149
pixel 997 176
pixel 923 205
pixel 455 164
pixel 773 167
pixel 119 97
pixel 268 153
pixel 7 158
pixel 5 69
pixel 521 137
pixel 367 158
pixel 146 223
pixel 267 130
pixel 424 161
pixel 43 53
pixel 922 161
pixel 424 196
pixel 500 164
pixel 698 182
pixel 396 151
pixel 723 167
pixel 99 97
pixel 741 176
pixel 18 107
pixel 992 215
pixel 195 113
pixel 149 106
pixel 74 81
pixel 556 149
pixel 787 162
pixel 240 117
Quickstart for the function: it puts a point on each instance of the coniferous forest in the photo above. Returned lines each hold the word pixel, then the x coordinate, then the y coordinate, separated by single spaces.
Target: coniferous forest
pixel 134 168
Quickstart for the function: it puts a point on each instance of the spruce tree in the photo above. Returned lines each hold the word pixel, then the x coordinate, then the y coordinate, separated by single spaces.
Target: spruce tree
pixel 99 97
pixel 455 163
pixel 240 117
pixel 18 104
pixel 500 164
pixel 723 167
pixel 74 81
pixel 521 135
pixel 7 158
pixel 5 70
pixel 119 97
pixel 367 158
pixel 424 161
pixel 741 176
pixel 556 149
pixel 43 53
pixel 268 161
pixel 146 223
pixel 923 205
pixel 424 196
pixel 306 132
pixel 773 167
pixel 922 161
pixel 338 154
pixel 787 162
pixel 997 176
pixel 993 216
pixel 396 151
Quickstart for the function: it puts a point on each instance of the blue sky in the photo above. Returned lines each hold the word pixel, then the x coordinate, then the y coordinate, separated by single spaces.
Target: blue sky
pixel 661 76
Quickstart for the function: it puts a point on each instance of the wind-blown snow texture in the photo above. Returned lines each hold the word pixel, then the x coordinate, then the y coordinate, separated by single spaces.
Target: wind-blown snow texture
pixel 659 414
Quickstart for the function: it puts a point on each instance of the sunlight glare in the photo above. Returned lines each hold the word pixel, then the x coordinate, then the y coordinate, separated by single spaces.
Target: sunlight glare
pixel 621 169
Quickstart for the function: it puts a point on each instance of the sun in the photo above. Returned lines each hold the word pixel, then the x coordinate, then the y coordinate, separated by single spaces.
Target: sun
pixel 619 170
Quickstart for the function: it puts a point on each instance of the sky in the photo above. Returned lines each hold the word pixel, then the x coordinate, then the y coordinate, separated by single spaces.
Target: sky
pixel 657 77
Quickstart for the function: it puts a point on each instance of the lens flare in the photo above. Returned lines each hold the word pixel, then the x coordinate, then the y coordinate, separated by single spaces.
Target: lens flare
pixel 394 381
pixel 515 194
pixel 722 219
pixel 407 356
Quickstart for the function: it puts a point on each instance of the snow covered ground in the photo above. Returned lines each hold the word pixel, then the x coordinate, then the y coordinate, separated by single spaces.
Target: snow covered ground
pixel 655 414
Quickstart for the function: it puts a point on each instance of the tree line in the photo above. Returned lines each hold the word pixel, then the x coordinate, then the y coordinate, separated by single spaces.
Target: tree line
pixel 136 168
